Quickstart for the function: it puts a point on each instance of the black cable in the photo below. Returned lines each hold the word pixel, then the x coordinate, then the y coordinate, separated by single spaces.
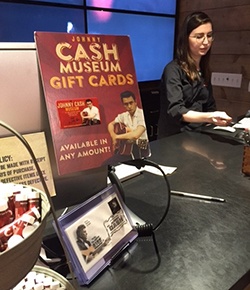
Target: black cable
pixel 115 180
pixel 147 229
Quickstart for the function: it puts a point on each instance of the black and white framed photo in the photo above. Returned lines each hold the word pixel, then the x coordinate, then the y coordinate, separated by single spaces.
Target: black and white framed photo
pixel 95 232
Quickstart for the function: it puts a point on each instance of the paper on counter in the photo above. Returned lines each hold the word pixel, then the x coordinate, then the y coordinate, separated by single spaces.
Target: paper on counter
pixel 243 123
pixel 124 171
pixel 225 128
pixel 166 169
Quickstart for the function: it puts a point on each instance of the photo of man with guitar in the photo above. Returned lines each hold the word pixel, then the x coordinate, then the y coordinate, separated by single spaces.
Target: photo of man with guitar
pixel 84 245
pixel 128 131
pixel 90 115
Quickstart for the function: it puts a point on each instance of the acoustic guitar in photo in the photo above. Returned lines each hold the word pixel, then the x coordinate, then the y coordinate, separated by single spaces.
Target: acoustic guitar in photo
pixel 88 253
pixel 123 146
pixel 85 121
pixel 91 251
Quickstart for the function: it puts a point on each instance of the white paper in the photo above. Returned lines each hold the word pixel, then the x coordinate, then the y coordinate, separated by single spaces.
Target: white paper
pixel 243 123
pixel 225 128
pixel 124 171
pixel 166 169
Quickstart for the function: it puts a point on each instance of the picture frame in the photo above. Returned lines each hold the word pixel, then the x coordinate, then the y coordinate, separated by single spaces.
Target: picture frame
pixel 95 232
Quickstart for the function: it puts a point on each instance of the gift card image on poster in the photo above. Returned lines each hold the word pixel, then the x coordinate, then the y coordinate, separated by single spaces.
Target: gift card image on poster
pixel 95 232
pixel 78 112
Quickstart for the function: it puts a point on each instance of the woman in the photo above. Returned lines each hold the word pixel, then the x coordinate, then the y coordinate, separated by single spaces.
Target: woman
pixel 187 100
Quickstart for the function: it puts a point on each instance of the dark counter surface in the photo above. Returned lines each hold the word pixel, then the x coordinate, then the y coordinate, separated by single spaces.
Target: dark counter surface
pixel 203 245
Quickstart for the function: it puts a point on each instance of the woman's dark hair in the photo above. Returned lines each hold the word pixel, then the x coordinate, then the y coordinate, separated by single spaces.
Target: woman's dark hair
pixel 183 56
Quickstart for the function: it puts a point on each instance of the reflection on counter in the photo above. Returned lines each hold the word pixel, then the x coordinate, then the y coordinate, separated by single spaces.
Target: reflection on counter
pixel 200 147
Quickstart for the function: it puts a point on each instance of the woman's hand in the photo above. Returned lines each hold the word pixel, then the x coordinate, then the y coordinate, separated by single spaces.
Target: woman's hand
pixel 220 118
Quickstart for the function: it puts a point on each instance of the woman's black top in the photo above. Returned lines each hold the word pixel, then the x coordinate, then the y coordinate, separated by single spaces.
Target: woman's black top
pixel 180 95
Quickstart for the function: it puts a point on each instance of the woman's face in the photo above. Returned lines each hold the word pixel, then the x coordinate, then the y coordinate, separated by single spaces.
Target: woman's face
pixel 200 40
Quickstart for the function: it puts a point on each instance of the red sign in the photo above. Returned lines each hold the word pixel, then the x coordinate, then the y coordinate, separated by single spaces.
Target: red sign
pixel 83 77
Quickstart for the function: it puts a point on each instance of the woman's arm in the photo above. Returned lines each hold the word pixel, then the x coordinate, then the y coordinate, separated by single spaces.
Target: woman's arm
pixel 217 118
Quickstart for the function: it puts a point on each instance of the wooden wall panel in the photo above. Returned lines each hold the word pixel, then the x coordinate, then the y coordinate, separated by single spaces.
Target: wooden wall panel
pixel 231 48
pixel 194 5
pixel 231 63
pixel 234 109
pixel 232 42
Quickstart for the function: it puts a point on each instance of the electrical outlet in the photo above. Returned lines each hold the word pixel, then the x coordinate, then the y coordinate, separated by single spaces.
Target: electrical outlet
pixel 226 80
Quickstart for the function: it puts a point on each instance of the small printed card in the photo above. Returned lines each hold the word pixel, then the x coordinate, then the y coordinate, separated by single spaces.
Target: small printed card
pixel 17 166
pixel 76 112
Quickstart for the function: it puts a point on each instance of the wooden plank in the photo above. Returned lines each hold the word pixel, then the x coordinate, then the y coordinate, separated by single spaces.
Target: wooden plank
pixel 231 94
pixel 234 109
pixel 232 42
pixel 231 64
pixel 225 19
pixel 196 5
pixel 230 19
